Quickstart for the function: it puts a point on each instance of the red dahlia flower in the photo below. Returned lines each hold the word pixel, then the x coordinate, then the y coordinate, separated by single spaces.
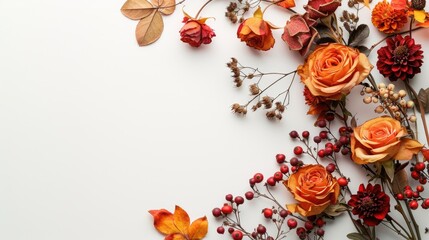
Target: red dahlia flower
pixel 371 204
pixel 400 59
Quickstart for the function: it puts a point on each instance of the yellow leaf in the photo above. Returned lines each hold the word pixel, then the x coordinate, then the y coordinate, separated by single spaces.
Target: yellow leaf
pixel 137 9
pixel 198 229
pixel 181 220
pixel 258 13
pixel 149 29
pixel 166 7
pixel 420 16
pixel 163 221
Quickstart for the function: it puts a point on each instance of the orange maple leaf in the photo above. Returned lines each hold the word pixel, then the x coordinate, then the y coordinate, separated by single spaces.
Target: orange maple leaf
pixel 178 226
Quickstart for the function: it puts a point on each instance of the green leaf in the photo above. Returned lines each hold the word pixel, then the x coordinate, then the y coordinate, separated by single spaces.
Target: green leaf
pixel 389 168
pixel 358 35
pixel 357 236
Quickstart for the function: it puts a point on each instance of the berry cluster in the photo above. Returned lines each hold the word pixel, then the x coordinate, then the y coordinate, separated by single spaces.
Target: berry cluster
pixel 413 197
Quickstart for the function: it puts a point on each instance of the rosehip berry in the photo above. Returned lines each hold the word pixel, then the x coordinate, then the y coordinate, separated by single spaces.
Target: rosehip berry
pixel 331 168
pixel 216 212
pixel 345 151
pixel 426 201
pixel 329 145
pixel 330 116
pixel 268 212
pixel 298 150
pixel 423 180
pixel 231 230
pixel 320 222
pixel 321 153
pixel 420 188
pixel 308 225
pixel 284 169
pixel 419 167
pixel 317 139
pixel 271 181
pixel 302 234
pixel 252 182
pixel 321 123
pixel 328 151
pixel 294 161
pixel 416 194
pixel 283 213
pixel 280 158
pixel 413 204
pixel 292 223
pixel 408 193
pixel 323 134
pixel 237 235
pixel 320 232
pixel 249 195
pixel 227 209
pixel 293 134
pixel 239 200
pixel 342 130
pixel 278 176
pixel 261 229
pixel 305 134
pixel 294 168
pixel 342 181
pixel 415 175
pixel 400 196
pixel 220 230
pixel 229 197
pixel 258 177
pixel 344 140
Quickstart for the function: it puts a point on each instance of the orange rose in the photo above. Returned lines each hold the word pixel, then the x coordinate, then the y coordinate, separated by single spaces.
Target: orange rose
pixel 256 32
pixel 314 188
pixel 381 139
pixel 332 70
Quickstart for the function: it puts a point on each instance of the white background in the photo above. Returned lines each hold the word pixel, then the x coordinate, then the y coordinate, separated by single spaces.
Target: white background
pixel 95 131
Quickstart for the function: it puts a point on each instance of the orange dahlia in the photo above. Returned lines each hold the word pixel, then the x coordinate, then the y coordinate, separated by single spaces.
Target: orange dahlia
pixel 387 19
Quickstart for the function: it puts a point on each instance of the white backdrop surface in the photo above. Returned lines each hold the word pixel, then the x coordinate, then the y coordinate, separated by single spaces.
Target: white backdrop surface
pixel 95 131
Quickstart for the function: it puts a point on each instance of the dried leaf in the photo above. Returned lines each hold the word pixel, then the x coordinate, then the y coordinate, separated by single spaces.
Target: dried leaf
pixel 389 168
pixel 400 181
pixel 353 122
pixel 358 35
pixel 137 9
pixel 149 29
pixel 423 97
pixel 325 40
pixel 166 7
pixel 336 210
pixel 181 220
pixel 357 236
pixel 176 236
pixel 198 229
pixel 163 221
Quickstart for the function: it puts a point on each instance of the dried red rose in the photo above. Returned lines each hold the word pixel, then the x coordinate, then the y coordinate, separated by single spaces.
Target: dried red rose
pixel 400 59
pixel 321 8
pixel 371 204
pixel 299 33
pixel 195 32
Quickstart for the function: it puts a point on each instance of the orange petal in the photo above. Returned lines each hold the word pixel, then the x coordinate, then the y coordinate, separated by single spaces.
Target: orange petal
pixel 258 13
pixel 425 24
pixel 399 4
pixel 175 236
pixel 286 3
pixel 163 221
pixel 181 220
pixel 198 229
pixel 408 148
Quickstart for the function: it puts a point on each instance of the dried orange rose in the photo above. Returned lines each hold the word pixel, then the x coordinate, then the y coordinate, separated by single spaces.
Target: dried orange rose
pixel 313 188
pixel 382 139
pixel 256 32
pixel 332 70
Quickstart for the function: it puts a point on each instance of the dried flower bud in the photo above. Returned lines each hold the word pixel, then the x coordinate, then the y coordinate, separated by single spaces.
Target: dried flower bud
pixel 367 100
pixel 271 114
pixel 379 109
pixel 267 102
pixel 280 107
pixel 254 89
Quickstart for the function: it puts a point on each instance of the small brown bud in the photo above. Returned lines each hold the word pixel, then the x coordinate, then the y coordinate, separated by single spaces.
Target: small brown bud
pixel 254 89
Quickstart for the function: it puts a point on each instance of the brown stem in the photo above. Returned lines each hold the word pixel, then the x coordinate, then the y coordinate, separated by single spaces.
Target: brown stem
pixel 201 9
pixel 388 36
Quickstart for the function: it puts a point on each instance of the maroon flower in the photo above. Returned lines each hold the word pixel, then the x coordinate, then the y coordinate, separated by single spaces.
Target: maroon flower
pixel 371 204
pixel 196 32
pixel 299 33
pixel 321 8
pixel 400 59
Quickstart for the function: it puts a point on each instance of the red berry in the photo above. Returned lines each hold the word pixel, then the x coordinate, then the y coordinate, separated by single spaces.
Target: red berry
pixel 321 123
pixel 293 134
pixel 261 229
pixel 423 180
pixel 231 230
pixel 320 232
pixel 271 181
pixel 328 151
pixel 229 197
pixel 283 213
pixel 330 116
pixel 249 195
pixel 292 223
pixel 415 175
pixel 309 225
pixel 321 153
pixel 278 176
pixel 268 212
pixel 297 150
pixel 284 169
pixel 331 168
pixel 426 201
pixel 420 188
pixel 400 196
pixel 345 151
pixel 317 139
pixel 294 161
pixel 302 234
pixel 323 134
pixel 227 209
pixel 419 167
pixel 280 158
pixel 252 182
pixel 216 212
pixel 344 140
pixel 342 130
pixel 408 193
pixel 320 222
pixel 413 204
pixel 416 194
pixel 239 200
pixel 237 235
pixel 258 177
pixel 305 134
pixel 220 230
pixel 342 181
pixel 294 168
pixel 329 145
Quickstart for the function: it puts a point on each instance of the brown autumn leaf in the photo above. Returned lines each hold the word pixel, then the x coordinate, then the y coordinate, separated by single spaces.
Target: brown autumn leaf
pixel 166 7
pixel 149 29
pixel 177 225
pixel 137 9
pixel 400 181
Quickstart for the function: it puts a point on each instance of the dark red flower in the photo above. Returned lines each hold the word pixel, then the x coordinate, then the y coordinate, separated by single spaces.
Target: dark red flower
pixel 196 32
pixel 321 8
pixel 299 33
pixel 400 59
pixel 371 204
